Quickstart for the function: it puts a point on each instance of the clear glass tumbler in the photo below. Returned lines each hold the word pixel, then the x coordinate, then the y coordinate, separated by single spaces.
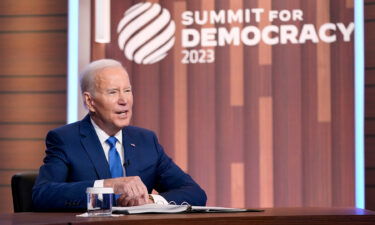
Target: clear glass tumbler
pixel 99 201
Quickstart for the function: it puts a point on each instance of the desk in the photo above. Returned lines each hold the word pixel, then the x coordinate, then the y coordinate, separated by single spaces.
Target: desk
pixel 273 216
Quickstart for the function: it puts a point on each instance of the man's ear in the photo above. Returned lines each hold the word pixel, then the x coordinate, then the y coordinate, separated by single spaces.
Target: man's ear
pixel 89 101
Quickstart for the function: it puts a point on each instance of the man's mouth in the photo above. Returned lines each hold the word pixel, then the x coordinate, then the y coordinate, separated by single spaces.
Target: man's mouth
pixel 122 112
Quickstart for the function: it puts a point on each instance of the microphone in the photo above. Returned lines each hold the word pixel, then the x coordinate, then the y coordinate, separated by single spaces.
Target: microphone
pixel 127 163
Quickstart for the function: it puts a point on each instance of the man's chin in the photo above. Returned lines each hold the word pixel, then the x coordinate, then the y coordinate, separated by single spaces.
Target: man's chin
pixel 123 123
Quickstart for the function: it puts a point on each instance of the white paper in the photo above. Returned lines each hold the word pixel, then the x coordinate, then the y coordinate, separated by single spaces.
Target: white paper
pixel 155 208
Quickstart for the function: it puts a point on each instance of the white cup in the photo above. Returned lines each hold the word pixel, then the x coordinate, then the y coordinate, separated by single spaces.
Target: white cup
pixel 99 201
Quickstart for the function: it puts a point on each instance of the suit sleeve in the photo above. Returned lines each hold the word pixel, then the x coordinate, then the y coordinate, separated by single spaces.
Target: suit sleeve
pixel 174 184
pixel 52 191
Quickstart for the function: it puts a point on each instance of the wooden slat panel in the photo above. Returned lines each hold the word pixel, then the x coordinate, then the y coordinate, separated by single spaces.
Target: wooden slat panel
pixel 310 127
pixel 287 120
pixel 349 4
pixel 35 7
pixel 237 185
pixel 369 12
pixel 32 108
pixel 6 175
pixel 370 47
pixel 370 126
pixel 323 66
pixel 168 99
pixel 201 123
pixel 33 53
pixel 32 83
pixel 342 143
pixel 33 23
pixel 25 130
pixel 265 51
pixel 370 102
pixel 252 91
pixel 370 202
pixel 22 155
pixel 266 152
pixel 144 86
pixel 370 176
pixel 229 148
pixel 6 200
pixel 370 76
pixel 236 59
pixel 370 152
pixel 180 100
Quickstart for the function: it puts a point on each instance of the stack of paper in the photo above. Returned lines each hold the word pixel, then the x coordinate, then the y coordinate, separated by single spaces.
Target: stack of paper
pixel 155 208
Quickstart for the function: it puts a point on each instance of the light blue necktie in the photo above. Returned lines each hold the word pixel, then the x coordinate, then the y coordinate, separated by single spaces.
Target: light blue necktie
pixel 114 159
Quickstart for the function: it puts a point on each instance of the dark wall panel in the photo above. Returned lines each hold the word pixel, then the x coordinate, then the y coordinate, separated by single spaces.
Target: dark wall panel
pixel 370 102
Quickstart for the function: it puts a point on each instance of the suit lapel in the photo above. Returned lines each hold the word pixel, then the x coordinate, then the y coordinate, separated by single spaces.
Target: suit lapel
pixel 130 147
pixel 93 147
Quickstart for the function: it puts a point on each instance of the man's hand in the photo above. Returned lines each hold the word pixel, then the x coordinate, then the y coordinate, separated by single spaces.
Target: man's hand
pixel 133 191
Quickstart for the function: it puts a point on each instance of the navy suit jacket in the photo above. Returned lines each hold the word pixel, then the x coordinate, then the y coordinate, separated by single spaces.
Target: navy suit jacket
pixel 75 159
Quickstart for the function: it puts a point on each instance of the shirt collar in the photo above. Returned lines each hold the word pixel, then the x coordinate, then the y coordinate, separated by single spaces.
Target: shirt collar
pixel 103 136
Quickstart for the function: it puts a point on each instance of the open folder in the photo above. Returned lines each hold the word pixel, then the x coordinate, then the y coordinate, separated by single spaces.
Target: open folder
pixel 155 208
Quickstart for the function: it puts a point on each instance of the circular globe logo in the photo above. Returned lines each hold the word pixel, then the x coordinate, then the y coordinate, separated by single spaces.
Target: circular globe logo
pixel 146 33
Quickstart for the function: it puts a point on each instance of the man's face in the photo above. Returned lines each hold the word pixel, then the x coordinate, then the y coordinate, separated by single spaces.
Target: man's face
pixel 112 100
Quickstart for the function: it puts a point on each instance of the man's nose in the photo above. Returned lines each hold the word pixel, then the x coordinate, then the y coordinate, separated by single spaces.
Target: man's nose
pixel 123 99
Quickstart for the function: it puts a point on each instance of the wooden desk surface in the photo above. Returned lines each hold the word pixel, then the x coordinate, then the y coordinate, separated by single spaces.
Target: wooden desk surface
pixel 273 216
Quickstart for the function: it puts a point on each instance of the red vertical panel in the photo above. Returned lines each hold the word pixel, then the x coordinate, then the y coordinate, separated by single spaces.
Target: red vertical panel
pixel 309 106
pixel 230 127
pixel 118 7
pixel 265 120
pixel 201 120
pixel 308 152
pixel 342 112
pixel 251 123
pixel 146 91
pixel 166 98
pixel 180 100
pixel 145 78
pixel 287 118
pixel 223 119
pixel 315 134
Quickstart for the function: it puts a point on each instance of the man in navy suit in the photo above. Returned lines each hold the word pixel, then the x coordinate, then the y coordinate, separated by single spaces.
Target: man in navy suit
pixel 102 150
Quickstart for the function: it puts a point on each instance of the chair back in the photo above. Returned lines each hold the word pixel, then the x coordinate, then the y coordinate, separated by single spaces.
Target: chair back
pixel 22 185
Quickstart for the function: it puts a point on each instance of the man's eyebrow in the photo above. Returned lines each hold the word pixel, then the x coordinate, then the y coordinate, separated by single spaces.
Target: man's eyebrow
pixel 112 89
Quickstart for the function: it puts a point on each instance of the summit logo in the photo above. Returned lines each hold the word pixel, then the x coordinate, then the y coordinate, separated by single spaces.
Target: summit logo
pixel 146 33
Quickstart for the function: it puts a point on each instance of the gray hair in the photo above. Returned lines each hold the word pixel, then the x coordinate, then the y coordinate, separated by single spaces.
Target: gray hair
pixel 90 71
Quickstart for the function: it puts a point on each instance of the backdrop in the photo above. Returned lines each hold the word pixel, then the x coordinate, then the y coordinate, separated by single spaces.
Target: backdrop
pixel 253 98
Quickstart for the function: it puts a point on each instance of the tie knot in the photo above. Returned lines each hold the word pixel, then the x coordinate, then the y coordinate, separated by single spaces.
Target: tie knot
pixel 111 141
